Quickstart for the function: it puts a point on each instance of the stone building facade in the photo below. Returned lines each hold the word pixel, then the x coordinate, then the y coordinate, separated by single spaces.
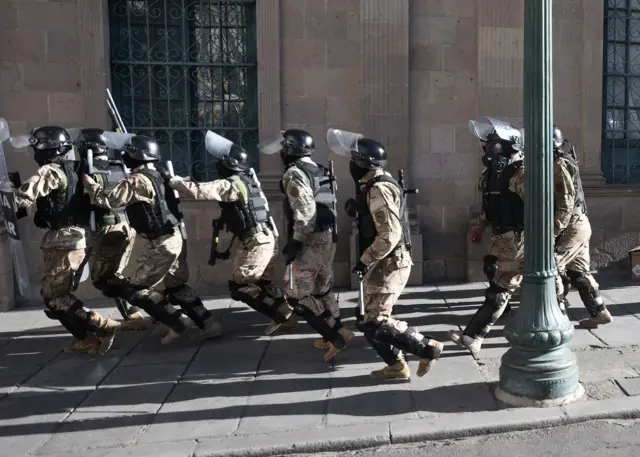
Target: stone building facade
pixel 410 73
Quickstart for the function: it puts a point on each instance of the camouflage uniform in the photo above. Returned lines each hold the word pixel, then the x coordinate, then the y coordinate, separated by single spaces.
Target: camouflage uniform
pixel 64 252
pixel 163 261
pixel 504 264
pixel 312 284
pixel 572 232
pixel 254 264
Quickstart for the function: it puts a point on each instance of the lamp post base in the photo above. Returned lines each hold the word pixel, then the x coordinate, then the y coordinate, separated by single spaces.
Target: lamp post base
pixel 522 402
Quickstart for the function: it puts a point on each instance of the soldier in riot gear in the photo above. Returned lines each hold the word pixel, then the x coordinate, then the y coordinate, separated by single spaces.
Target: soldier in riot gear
pixel 385 244
pixel 63 210
pixel 572 232
pixel 153 211
pixel 112 238
pixel 245 213
pixel 503 210
pixel 311 216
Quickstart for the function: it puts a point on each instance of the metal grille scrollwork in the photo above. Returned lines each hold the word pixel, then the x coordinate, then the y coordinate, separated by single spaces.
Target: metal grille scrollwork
pixel 181 67
pixel 621 130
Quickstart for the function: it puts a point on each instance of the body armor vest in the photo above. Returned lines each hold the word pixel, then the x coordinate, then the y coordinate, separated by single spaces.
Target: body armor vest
pixel 248 215
pixel 157 219
pixel 367 231
pixel 325 199
pixel 64 207
pixel 504 209
pixel 581 203
pixel 105 217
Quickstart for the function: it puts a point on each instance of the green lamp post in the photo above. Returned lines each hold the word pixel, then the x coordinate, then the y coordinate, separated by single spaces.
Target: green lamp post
pixel 539 369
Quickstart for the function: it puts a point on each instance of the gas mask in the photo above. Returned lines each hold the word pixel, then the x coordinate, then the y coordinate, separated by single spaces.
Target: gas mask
pixel 223 172
pixel 494 157
pixel 357 173
pixel 44 156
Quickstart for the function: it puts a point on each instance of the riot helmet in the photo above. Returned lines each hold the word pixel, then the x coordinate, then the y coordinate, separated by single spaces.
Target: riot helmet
pixel 366 154
pixel 296 144
pixel 49 143
pixel 94 139
pixel 231 159
pixel 500 140
pixel 140 150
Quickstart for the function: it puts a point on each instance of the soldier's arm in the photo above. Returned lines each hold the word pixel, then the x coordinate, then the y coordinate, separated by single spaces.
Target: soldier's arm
pixel 517 183
pixel 384 203
pixel 130 190
pixel 564 195
pixel 47 179
pixel 221 190
pixel 303 205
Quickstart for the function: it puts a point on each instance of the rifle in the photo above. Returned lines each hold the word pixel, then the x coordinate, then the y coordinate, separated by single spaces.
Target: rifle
pixel 218 225
pixel 405 191
pixel 332 180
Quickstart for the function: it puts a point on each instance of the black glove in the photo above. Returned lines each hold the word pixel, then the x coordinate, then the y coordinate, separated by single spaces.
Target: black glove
pixel 165 174
pixel 360 268
pixel 14 178
pixel 22 212
pixel 292 250
pixel 351 207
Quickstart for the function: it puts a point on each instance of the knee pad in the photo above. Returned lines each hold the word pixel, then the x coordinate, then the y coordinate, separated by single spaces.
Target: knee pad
pixel 410 341
pixel 492 295
pixel 234 289
pixel 114 287
pixel 579 281
pixel 489 266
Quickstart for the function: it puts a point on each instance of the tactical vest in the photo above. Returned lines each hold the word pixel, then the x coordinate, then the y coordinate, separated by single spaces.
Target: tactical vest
pixel 160 218
pixel 367 231
pixel 105 217
pixel 247 216
pixel 580 206
pixel 64 207
pixel 503 208
pixel 325 199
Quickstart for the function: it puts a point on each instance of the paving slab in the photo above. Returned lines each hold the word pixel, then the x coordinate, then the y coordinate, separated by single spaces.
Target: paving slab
pixel 301 442
pixel 602 390
pixel 612 408
pixel 165 449
pixel 630 386
pixel 603 364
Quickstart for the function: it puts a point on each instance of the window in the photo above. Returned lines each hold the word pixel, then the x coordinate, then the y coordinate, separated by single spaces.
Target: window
pixel 182 67
pixel 621 129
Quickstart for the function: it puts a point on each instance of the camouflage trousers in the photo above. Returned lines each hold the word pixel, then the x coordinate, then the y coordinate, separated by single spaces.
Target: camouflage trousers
pixel 111 250
pixel 507 249
pixel 572 253
pixel 312 284
pixel 255 262
pixel 383 287
pixel 56 289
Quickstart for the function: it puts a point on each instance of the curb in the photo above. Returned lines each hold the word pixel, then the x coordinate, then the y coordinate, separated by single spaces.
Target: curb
pixel 375 434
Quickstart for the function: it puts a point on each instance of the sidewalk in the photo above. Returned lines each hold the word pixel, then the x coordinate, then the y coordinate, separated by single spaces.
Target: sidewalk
pixel 250 395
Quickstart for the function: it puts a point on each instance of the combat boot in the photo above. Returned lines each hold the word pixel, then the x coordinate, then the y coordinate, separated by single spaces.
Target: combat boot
pixel 135 322
pixel 425 364
pixel 321 343
pixel 172 335
pixel 287 326
pixel 89 345
pixel 466 342
pixel 108 331
pixel 212 329
pixel 603 317
pixel 347 335
pixel 399 370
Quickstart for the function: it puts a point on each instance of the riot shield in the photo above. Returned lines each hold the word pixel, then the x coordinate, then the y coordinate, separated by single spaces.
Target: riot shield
pixel 216 145
pixel 272 145
pixel 342 142
pixel 117 140
pixel 9 208
pixel 485 126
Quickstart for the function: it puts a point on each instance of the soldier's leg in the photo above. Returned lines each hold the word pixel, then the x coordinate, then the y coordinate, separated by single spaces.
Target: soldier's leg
pixel 94 332
pixel 153 265
pixel 179 293
pixel 305 305
pixel 510 251
pixel 110 255
pixel 391 337
pixel 277 293
pixel 323 291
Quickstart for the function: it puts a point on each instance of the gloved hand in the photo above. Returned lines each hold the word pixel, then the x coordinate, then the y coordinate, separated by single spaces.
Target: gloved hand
pixel 477 233
pixel 292 250
pixel 351 207
pixel 360 268
pixel 164 173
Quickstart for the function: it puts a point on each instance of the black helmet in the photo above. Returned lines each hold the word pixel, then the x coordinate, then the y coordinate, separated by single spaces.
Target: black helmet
pixel 297 143
pixel 51 138
pixel 237 160
pixel 93 139
pixel 142 149
pixel 558 137
pixel 370 154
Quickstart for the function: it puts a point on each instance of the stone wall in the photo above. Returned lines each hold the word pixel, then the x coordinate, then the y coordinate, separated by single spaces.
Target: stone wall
pixel 408 72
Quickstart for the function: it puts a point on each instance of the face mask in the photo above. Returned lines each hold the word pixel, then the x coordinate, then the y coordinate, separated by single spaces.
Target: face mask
pixel 493 157
pixel 223 171
pixel 356 172
pixel 44 156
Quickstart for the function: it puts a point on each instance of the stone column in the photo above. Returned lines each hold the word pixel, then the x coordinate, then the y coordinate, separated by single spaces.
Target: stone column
pixel 592 61
pixel 385 91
